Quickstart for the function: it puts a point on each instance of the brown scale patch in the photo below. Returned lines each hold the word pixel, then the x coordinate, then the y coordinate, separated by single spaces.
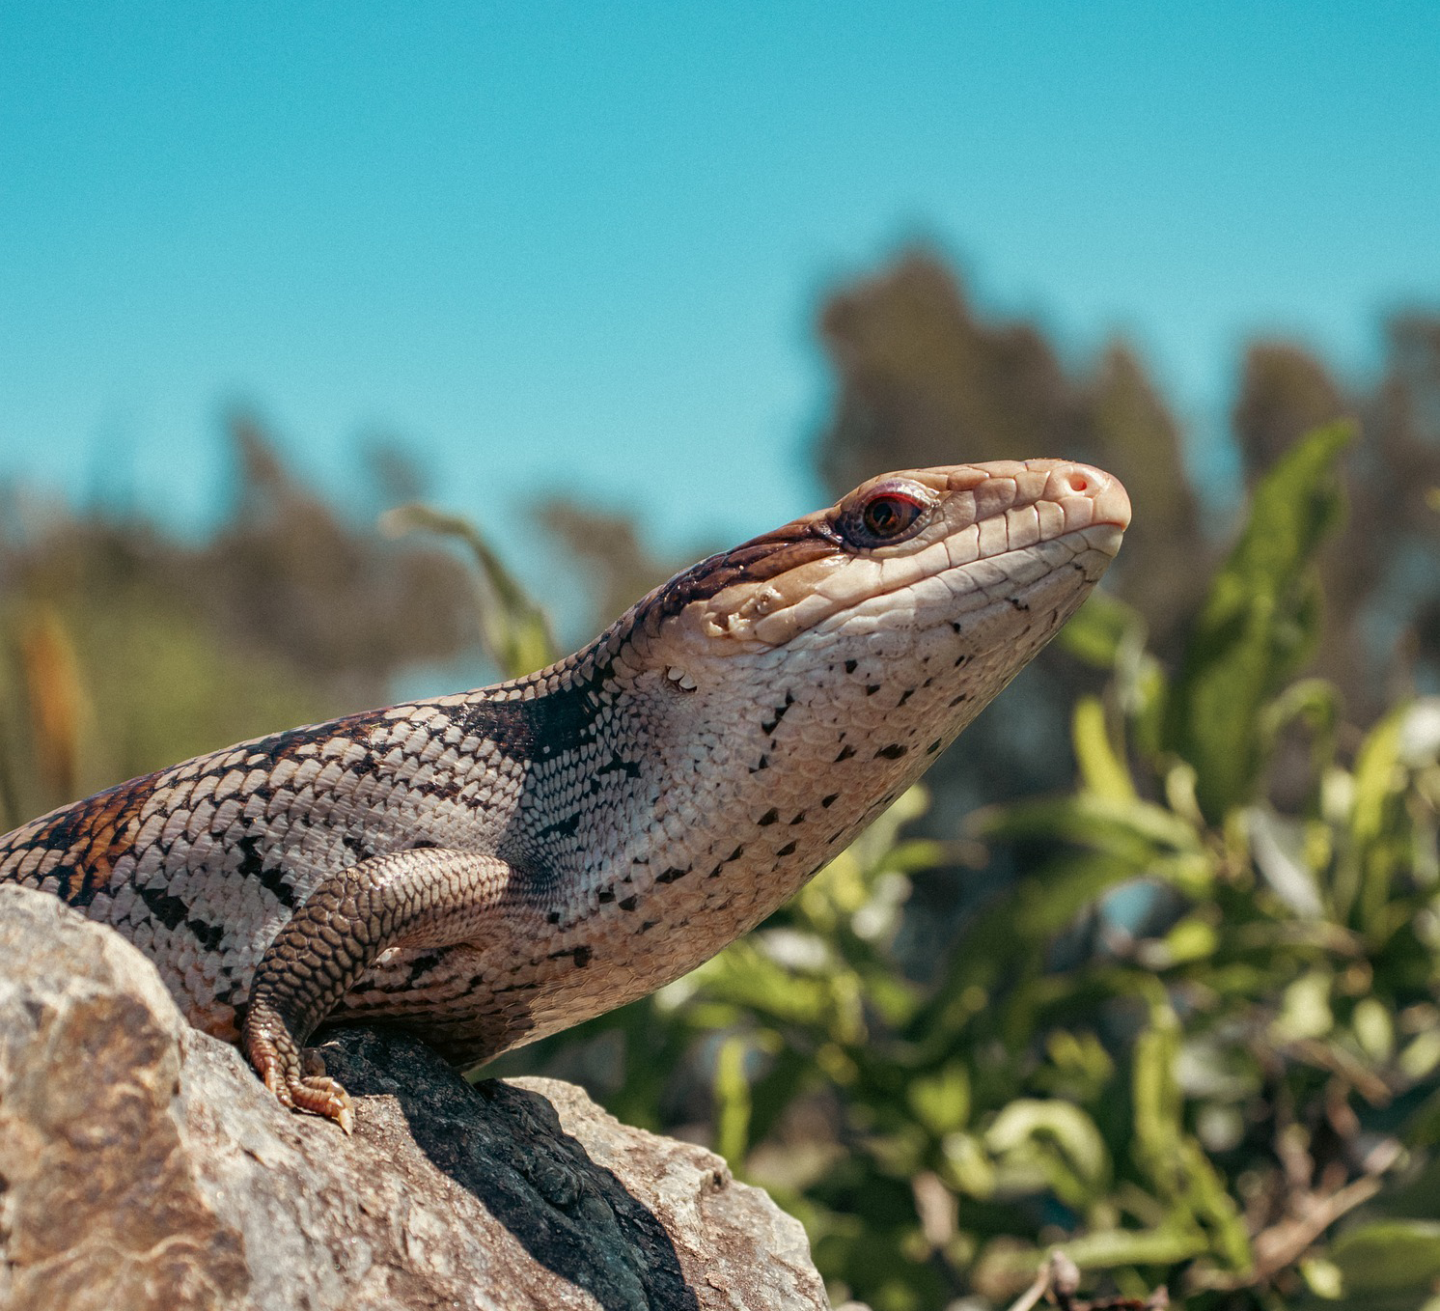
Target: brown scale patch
pixel 91 836
pixel 110 822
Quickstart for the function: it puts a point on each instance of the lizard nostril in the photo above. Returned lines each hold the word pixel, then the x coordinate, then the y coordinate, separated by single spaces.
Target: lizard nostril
pixel 1077 480
pixel 1106 497
pixel 1080 480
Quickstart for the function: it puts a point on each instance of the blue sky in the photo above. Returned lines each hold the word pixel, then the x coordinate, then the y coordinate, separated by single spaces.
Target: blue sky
pixel 580 247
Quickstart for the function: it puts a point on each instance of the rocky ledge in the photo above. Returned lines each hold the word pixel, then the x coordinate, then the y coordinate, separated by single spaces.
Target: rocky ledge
pixel 142 1165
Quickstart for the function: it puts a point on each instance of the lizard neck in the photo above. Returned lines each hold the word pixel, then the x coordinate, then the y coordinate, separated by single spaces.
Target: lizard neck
pixel 720 785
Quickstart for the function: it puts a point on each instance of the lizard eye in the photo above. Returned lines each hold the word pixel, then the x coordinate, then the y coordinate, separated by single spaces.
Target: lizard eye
pixel 888 514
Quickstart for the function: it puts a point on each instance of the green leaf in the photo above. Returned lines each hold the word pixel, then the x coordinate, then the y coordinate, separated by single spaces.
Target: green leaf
pixel 1099 630
pixel 1213 1206
pixel 941 1099
pixel 1311 701
pixel 1158 1103
pixel 1133 830
pixel 1056 1140
pixel 1389 1256
pixel 1305 1011
pixel 514 630
pixel 1377 777
pixel 1102 769
pixel 732 1101
pixel 1107 1249
pixel 1258 624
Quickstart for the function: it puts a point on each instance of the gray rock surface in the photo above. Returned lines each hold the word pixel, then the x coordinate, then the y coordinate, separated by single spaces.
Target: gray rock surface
pixel 143 1165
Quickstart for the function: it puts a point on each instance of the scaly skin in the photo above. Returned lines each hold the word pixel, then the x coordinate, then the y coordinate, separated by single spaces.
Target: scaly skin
pixel 491 867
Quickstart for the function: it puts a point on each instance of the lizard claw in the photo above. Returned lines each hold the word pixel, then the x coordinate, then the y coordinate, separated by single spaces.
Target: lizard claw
pixel 316 1094
pixel 321 1095
pixel 268 1066
pixel 279 1064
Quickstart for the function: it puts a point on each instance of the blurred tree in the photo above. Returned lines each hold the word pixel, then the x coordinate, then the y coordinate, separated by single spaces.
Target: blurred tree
pixel 123 650
pixel 608 549
pixel 1381 634
pixel 1284 392
pixel 1391 555
pixel 1414 376
pixel 922 381
pixel 1128 430
pixel 395 476
pixel 287 573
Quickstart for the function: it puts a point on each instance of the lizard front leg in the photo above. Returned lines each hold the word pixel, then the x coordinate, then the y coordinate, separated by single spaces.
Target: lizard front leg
pixel 425 897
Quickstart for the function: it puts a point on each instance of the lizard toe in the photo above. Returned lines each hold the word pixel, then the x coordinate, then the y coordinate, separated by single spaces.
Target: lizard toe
pixel 321 1095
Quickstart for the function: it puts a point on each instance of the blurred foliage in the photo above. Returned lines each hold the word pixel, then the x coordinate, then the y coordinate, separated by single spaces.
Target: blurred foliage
pixel 123 650
pixel 925 375
pixel 1259 625
pixel 513 629
pixel 1196 1045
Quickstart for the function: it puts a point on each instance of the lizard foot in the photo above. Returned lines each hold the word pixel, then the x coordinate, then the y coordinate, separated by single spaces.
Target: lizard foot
pixel 320 1095
pixel 314 1092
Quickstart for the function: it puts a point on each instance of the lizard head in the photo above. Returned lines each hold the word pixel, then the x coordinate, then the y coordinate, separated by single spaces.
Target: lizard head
pixel 989 551
pixel 763 706
pixel 797 684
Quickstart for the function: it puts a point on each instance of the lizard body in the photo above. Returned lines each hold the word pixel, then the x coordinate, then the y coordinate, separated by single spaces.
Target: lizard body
pixel 490 867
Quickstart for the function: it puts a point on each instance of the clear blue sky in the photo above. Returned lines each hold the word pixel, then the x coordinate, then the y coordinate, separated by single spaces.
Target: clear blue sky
pixel 581 246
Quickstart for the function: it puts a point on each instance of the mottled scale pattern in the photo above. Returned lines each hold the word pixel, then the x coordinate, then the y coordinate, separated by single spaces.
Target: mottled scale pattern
pixel 647 800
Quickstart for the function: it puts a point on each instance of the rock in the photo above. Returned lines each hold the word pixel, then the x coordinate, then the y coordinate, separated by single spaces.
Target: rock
pixel 143 1165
